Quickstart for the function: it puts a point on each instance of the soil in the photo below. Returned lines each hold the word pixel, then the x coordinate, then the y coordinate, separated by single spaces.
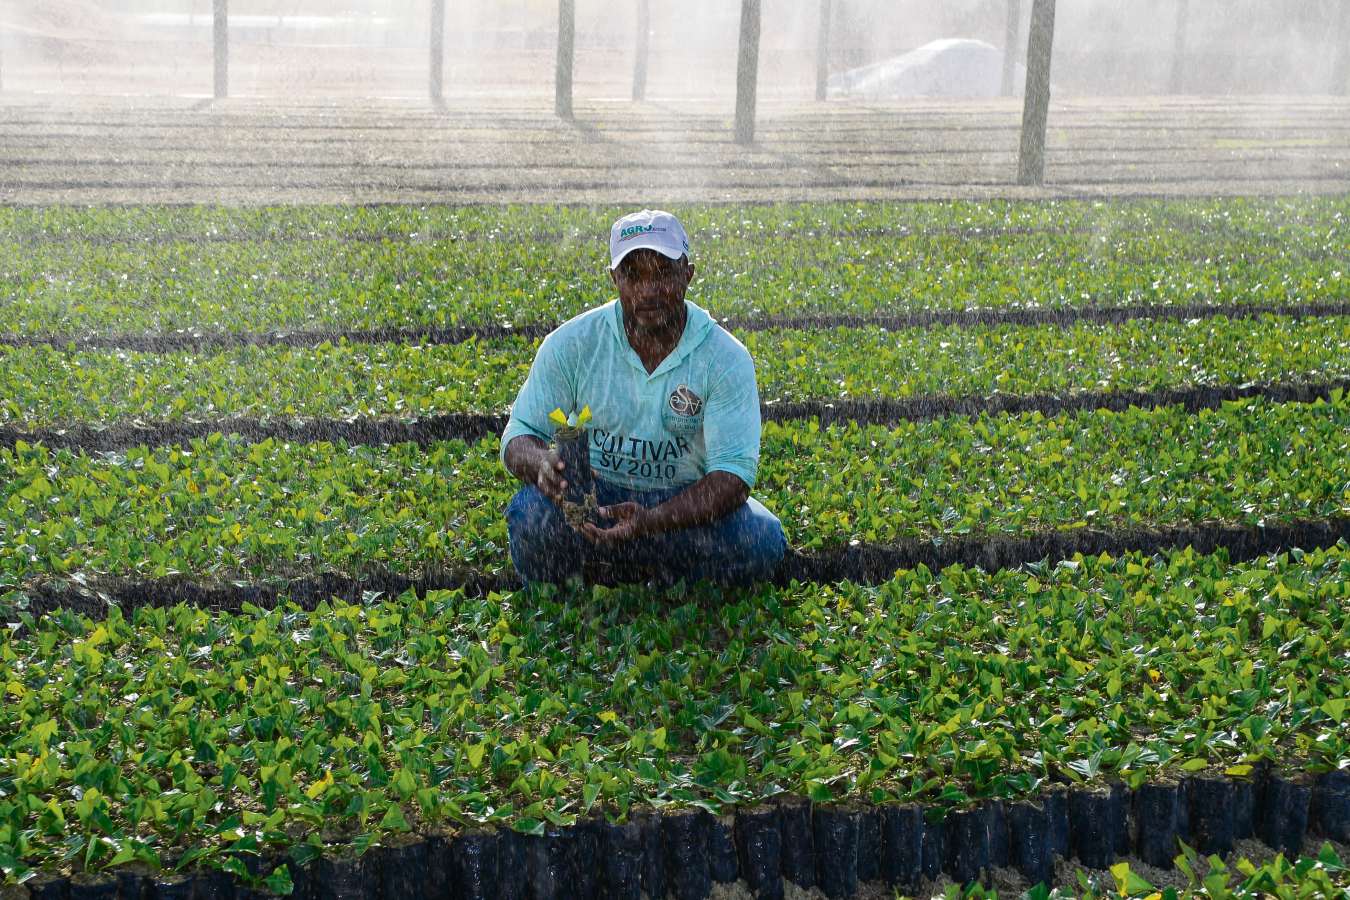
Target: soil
pixel 175 341
pixel 863 564
pixel 477 426
pixel 164 149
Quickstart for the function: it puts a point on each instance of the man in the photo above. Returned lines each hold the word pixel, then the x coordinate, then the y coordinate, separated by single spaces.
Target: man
pixel 674 434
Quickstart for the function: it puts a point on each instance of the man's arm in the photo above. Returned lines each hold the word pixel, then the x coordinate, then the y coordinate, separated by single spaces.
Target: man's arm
pixel 706 500
pixel 534 462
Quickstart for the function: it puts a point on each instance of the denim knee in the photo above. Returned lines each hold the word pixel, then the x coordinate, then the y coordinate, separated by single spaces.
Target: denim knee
pixel 739 550
pixel 543 546
pixel 763 540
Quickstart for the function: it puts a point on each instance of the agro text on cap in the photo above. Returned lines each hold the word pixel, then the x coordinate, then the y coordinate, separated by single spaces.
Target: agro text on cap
pixel 651 229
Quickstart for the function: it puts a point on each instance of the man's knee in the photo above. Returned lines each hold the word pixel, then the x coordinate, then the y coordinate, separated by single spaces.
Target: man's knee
pixel 542 543
pixel 763 539
pixel 530 511
pixel 745 547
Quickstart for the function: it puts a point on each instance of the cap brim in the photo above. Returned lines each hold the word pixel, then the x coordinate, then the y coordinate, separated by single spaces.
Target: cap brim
pixel 615 260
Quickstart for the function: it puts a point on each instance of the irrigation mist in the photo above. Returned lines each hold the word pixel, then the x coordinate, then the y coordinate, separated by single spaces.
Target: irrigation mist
pixel 114 101
pixel 504 47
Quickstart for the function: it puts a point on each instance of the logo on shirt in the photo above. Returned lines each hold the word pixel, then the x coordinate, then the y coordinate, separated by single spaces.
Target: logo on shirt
pixel 684 402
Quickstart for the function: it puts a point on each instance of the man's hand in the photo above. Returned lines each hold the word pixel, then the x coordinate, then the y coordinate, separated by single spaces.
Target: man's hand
pixel 535 462
pixel 631 519
pixel 550 479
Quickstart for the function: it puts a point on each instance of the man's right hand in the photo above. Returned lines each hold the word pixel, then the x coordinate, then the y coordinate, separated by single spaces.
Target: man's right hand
pixel 550 480
pixel 535 462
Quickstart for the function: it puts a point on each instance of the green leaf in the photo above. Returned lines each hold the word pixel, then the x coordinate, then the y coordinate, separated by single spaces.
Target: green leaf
pixel 589 793
pixel 393 819
pixel 529 826
pixel 1129 883
pixel 278 881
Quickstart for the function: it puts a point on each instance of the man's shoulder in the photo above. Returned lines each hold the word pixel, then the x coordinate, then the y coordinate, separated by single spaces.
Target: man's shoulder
pixel 584 327
pixel 726 346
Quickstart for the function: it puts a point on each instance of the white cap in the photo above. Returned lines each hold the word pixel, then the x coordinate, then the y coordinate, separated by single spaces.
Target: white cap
pixel 651 229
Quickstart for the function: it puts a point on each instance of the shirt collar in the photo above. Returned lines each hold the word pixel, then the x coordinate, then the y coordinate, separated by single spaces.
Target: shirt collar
pixel 696 323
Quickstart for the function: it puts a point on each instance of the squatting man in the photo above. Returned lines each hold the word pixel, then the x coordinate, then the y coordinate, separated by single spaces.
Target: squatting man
pixel 674 434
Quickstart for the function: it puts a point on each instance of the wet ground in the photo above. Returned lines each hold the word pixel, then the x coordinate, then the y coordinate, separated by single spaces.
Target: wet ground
pixel 61 149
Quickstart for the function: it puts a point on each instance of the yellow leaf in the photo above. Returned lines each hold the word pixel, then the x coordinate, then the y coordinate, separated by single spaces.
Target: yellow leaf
pixel 608 716
pixel 42 731
pixel 559 417
pixel 317 788
pixel 475 752
pixel 84 652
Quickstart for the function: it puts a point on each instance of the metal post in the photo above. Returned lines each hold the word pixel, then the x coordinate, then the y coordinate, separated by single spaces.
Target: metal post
pixel 823 49
pixel 220 29
pixel 1340 70
pixel 1036 106
pixel 1179 49
pixel 437 85
pixel 1012 47
pixel 644 30
pixel 567 35
pixel 747 72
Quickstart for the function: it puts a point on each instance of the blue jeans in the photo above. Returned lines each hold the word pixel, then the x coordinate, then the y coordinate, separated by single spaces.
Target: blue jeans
pixel 739 549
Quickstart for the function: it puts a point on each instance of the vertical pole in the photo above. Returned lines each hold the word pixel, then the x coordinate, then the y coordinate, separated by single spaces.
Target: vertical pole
pixel 1012 47
pixel 747 72
pixel 437 83
pixel 220 30
pixel 1179 49
pixel 644 30
pixel 823 49
pixel 1036 106
pixel 567 35
pixel 1340 70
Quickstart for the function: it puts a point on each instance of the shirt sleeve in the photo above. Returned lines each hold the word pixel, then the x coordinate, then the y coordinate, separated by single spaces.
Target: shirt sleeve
pixel 731 426
pixel 547 387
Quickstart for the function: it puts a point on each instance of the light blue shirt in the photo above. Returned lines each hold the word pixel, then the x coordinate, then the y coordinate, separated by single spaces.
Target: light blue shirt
pixel 698 412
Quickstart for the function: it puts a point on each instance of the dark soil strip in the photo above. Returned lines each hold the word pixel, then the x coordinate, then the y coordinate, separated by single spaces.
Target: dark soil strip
pixel 170 342
pixel 874 564
pixel 863 564
pixel 837 848
pixel 477 426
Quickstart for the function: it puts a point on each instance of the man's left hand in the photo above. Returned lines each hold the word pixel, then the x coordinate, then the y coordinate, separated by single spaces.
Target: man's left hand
pixel 631 522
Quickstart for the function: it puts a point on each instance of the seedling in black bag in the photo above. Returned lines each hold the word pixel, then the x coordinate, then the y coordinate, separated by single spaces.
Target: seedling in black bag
pixel 572 440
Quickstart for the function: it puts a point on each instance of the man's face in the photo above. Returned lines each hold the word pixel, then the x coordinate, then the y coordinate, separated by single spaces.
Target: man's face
pixel 652 288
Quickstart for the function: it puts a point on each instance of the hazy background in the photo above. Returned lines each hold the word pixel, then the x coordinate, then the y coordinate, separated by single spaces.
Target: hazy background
pixel 378 48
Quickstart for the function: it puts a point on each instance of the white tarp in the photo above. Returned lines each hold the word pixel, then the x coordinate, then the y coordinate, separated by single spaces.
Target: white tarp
pixel 953 67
